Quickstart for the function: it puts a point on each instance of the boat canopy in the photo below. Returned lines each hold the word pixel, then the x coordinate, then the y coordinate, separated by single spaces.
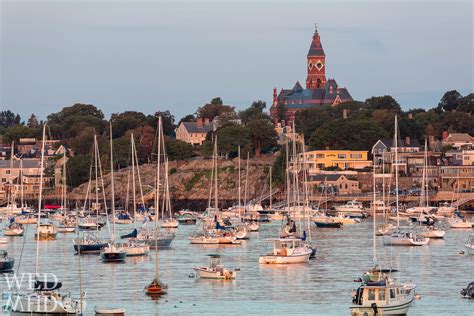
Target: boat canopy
pixel 214 255
pixel 47 286
pixel 133 234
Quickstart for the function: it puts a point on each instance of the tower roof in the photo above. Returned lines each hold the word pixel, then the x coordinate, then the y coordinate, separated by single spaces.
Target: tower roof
pixel 316 49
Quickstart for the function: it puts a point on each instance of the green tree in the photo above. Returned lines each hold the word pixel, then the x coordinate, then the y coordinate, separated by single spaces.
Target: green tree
pixel 33 121
pixel 229 138
pixel 466 104
pixel 352 134
pixel 78 169
pixel 255 111
pixel 187 118
pixel 449 101
pixel 15 132
pixel 122 122
pixel 178 150
pixel 279 168
pixel 167 119
pixel 309 120
pixel 281 111
pixel 456 122
pixel 8 118
pixel 262 135
pixel 217 101
pixel 213 109
pixel 385 102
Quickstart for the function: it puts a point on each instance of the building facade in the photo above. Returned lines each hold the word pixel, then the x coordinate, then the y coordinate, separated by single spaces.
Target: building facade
pixel 319 90
pixel 194 132
pixel 342 159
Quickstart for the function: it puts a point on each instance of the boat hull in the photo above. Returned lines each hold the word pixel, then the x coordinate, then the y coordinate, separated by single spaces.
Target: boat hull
pixel 137 251
pixel 205 273
pixel 401 309
pixel 92 248
pixel 437 234
pixel 116 256
pixel 270 259
pixel 7 265
pixel 42 305
pixel 160 243
pixel 13 232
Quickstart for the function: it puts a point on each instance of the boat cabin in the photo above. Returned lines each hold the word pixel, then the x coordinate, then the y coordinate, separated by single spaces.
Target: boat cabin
pixel 285 246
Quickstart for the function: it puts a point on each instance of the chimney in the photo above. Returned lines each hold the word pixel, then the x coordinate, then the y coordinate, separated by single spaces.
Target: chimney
pixel 410 116
pixel 344 113
pixel 445 134
pixel 206 121
pixel 407 140
pixel 199 122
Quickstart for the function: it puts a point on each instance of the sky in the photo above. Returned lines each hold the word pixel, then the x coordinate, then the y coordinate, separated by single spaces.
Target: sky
pixel 177 55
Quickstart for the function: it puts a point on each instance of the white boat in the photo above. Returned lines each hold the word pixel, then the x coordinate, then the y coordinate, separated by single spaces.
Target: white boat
pixel 215 270
pixel 287 251
pixel 109 311
pixel 44 303
pixel 457 222
pixel 384 296
pixel 46 231
pixel 433 232
pixel 3 240
pixel 470 245
pixel 134 248
pixel 212 239
pixel 445 209
pixel 399 238
pixel 242 232
pixel 13 229
pixel 169 223
pixel 385 229
pixel 350 207
pixel 11 209
pixel 254 226
pixel 26 219
pixel 420 209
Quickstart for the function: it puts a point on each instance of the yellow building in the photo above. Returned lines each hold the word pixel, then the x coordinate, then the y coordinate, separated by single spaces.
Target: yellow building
pixel 342 159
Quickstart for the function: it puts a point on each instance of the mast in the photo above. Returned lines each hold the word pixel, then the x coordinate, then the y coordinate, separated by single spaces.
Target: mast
pixel 21 183
pixel 396 171
pixel 138 172
pixel 157 197
pixel 133 182
pixel 246 182
pixel 215 174
pixel 384 205
pixel 112 191
pixel 96 185
pixel 271 187
pixel 39 201
pixel 240 193
pixel 64 184
pixel 374 244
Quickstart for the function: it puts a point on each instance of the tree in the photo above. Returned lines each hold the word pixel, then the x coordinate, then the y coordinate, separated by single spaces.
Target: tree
pixel 309 120
pixel 229 138
pixel 213 109
pixel 122 122
pixel 449 101
pixel 15 132
pixel 466 104
pixel 385 102
pixel 352 134
pixel 78 169
pixel 144 142
pixel 187 118
pixel 255 111
pixel 456 122
pixel 178 150
pixel 32 121
pixel 8 118
pixel 262 135
pixel 167 120
pixel 281 111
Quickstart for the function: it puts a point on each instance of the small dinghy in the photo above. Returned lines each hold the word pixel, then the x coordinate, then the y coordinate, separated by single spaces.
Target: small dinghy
pixel 468 292
pixel 215 270
pixel 3 241
pixel 6 262
pixel 109 311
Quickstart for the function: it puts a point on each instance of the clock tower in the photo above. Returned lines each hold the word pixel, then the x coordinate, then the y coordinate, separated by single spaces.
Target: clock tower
pixel 316 65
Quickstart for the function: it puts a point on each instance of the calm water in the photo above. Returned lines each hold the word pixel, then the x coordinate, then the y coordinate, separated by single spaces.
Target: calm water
pixel 322 287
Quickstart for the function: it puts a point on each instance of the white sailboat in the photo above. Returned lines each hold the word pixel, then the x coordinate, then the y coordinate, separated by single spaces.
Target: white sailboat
pixel 113 252
pixel 45 299
pixel 68 223
pixel 399 237
pixel 169 221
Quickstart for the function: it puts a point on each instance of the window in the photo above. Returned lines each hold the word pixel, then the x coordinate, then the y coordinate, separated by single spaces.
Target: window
pixel 371 295
pixel 356 156
pixel 381 294
pixel 392 293
pixel 341 156
pixel 7 171
pixel 319 155
pixel 4 180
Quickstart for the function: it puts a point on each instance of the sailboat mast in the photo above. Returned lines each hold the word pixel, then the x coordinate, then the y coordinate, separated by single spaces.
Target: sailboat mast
pixel 396 171
pixel 157 197
pixel 133 181
pixel 240 193
pixel 21 183
pixel 374 244
pixel 384 205
pixel 40 196
pixel 215 174
pixel 246 182
pixel 112 189
pixel 270 185
pixel 64 183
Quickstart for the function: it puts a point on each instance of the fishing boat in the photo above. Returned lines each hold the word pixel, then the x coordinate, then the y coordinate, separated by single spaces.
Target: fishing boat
pixel 112 253
pixel 215 270
pixel 6 262
pixel 46 231
pixel 45 298
pixel 286 251
pixel 156 287
pixel 470 245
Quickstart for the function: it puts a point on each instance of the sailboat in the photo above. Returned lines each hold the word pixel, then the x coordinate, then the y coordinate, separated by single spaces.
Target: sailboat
pixel 213 230
pixel 45 299
pixel 135 246
pixel 156 287
pixel 399 237
pixel 170 221
pixel 379 294
pixel 113 252
pixel 387 227
pixel 68 223
pixel 431 231
pixel 242 230
pixel 90 241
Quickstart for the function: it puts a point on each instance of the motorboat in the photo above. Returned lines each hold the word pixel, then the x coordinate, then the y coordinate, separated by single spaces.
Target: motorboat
pixel 187 218
pixel 113 253
pixel 67 225
pixel 382 297
pixel 214 237
pixel 400 238
pixel 89 223
pixel 215 270
pixel 6 262
pixel 46 231
pixel 327 222
pixel 350 207
pixel 286 251
pixel 242 232
pixel 470 245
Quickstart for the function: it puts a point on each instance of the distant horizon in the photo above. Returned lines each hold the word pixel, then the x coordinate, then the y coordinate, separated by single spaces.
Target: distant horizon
pixel 149 57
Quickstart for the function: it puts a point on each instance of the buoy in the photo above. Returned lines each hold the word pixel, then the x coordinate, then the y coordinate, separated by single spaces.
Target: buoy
pixel 418 296
pixel 461 252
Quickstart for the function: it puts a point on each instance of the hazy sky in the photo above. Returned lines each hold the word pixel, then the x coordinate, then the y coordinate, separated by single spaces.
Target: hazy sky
pixel 148 56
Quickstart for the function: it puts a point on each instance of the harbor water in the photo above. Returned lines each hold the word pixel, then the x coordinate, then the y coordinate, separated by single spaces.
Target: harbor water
pixel 321 287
